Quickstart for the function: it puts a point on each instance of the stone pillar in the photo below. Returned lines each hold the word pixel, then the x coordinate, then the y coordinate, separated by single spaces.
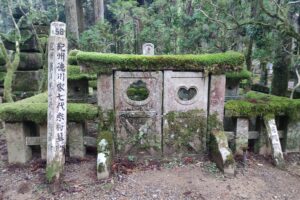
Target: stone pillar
pixel 217 95
pixel 242 128
pixel 75 139
pixel 105 92
pixel 220 152
pixel 18 151
pixel 293 137
pixel 275 142
pixel 43 140
pixel 105 98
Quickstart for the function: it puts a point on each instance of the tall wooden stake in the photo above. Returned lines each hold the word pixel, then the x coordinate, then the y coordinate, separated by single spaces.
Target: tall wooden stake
pixel 57 100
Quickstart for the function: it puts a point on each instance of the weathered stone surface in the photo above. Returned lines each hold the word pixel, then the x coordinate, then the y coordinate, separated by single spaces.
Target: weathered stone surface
pixel 30 61
pixel 105 95
pixel 185 105
pixel 78 90
pixel 17 150
pixel 30 45
pixel 242 128
pixel 193 88
pixel 220 152
pixel 217 95
pixel 26 81
pixel 103 159
pixel 76 142
pixel 138 123
pixel 275 142
pixel 42 129
pixel 42 29
pixel 184 133
pixel 148 49
pixel 293 137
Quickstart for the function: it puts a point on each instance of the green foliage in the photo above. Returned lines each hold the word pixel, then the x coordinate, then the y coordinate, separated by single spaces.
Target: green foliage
pixel 258 104
pixel 137 91
pixel 97 38
pixel 243 74
pixel 210 63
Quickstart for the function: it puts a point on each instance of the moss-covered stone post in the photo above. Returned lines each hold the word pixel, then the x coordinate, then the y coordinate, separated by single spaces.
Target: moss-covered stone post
pixel 242 128
pixel 277 155
pixel 57 101
pixel 105 101
pixel 218 143
pixel 217 95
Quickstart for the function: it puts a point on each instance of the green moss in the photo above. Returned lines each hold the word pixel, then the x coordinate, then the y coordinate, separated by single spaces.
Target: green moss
pixel 75 74
pixel 40 98
pixel 52 170
pixel 211 63
pixel 74 52
pixel 258 104
pixel 93 84
pixel 229 160
pixel 72 60
pixel 43 40
pixel 106 120
pixel 244 74
pixel 100 168
pixel 108 136
pixel 35 109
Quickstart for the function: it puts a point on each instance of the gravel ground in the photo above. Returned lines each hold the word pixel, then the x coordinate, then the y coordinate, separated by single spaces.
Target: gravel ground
pixel 177 179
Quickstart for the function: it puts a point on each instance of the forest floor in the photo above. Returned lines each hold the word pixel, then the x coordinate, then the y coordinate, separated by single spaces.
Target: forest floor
pixel 177 179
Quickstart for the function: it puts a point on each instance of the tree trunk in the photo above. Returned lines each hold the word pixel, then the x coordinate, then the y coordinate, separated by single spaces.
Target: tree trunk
pixel 72 23
pixel 99 10
pixel 282 62
pixel 80 17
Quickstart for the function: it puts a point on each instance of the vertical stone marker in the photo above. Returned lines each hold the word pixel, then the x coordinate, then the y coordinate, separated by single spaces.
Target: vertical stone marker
pixel 57 100
pixel 148 49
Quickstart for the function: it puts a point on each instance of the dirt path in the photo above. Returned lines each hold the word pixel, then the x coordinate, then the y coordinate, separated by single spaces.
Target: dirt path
pixel 173 180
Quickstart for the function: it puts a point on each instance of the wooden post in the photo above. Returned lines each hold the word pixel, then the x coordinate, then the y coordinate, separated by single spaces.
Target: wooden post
pixel 57 100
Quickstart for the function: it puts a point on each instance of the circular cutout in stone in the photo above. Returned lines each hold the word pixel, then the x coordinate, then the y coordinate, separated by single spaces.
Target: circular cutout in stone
pixel 185 94
pixel 138 91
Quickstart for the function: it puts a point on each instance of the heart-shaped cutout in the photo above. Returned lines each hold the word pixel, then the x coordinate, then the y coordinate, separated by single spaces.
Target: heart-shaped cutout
pixel 185 94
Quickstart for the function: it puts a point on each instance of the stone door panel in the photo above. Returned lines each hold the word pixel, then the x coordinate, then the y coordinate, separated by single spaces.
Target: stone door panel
pixel 138 106
pixel 185 112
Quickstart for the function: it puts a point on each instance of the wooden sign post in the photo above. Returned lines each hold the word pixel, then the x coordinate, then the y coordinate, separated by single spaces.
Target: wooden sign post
pixel 57 100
